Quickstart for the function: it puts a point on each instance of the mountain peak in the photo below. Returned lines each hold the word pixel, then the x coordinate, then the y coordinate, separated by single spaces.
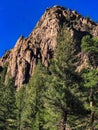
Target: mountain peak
pixel 41 43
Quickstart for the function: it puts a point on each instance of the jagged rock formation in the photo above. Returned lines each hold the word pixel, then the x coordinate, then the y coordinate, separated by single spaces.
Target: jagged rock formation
pixel 41 43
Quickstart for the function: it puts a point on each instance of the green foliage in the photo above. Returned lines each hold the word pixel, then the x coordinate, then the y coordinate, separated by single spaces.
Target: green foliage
pixel 20 97
pixel 65 48
pixel 91 78
pixel 56 98
pixel 63 98
pixel 7 106
pixel 90 82
pixel 90 47
pixel 31 108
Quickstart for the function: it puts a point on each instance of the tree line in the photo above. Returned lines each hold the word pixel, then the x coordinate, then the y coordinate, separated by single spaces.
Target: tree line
pixel 57 97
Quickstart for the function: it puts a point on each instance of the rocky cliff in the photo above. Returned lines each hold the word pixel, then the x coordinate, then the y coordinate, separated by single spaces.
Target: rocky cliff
pixel 41 43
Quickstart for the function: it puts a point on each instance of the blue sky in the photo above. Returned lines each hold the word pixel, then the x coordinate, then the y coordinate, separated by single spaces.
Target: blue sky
pixel 19 17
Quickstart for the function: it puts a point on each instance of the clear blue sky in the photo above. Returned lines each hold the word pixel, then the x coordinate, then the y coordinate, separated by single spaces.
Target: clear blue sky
pixel 19 17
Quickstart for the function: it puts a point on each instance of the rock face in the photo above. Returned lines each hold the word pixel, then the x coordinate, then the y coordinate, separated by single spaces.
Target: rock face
pixel 41 43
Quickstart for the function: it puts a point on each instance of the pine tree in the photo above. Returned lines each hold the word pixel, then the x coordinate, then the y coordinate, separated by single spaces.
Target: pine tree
pixel 90 82
pixel 20 97
pixel 90 47
pixel 2 108
pixel 2 92
pixel 10 104
pixel 32 114
pixel 38 80
pixel 7 105
pixel 63 96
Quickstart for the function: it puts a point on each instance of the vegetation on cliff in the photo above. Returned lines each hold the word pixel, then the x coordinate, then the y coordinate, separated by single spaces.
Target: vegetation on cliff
pixel 57 97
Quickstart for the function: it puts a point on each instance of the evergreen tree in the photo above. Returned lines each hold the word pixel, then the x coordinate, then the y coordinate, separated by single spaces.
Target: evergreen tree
pixel 32 114
pixel 90 47
pixel 2 108
pixel 10 105
pixel 90 82
pixel 63 95
pixel 2 92
pixel 20 97
pixel 7 105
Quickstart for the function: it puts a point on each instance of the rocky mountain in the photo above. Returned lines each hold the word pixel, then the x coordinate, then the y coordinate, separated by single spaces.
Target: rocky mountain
pixel 40 44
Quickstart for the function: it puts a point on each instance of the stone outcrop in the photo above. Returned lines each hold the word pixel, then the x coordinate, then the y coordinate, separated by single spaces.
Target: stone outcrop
pixel 41 43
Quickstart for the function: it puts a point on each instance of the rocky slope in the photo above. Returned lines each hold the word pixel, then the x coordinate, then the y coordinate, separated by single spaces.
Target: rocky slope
pixel 41 43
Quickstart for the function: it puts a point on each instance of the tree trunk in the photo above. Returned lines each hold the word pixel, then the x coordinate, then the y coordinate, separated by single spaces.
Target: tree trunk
pixel 92 120
pixel 92 113
pixel 19 125
pixel 63 121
